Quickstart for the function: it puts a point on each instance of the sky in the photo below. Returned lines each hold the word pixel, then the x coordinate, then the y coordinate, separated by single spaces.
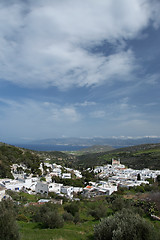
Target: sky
pixel 75 68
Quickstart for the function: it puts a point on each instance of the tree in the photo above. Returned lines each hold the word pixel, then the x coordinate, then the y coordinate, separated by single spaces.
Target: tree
pixel 125 225
pixel 76 218
pixel 48 215
pixel 68 217
pixel 158 180
pixel 98 212
pixel 8 226
pixel 43 179
pixel 52 220
pixel 72 208
pixel 138 177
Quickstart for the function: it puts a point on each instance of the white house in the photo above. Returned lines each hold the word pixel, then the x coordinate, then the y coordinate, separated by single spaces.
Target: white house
pixel 78 174
pixel 77 189
pixel 13 185
pixel 56 172
pixel 67 190
pixel 66 175
pixel 41 187
pixel 55 187
pixel 20 184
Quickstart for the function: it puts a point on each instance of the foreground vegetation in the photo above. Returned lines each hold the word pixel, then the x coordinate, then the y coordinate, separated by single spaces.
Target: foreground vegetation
pixel 31 231
pixel 124 213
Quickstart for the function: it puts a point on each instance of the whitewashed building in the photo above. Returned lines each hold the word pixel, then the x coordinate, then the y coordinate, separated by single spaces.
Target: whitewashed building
pixel 66 176
pixel 67 190
pixel 55 187
pixel 42 188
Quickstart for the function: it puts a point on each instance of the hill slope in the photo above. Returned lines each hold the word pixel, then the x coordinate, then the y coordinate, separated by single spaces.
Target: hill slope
pixel 93 149
pixel 10 155
pixel 136 157
pixel 31 159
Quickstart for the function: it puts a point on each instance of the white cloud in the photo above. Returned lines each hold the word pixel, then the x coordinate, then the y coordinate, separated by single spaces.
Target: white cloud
pixel 98 114
pixel 45 43
pixel 155 7
pixel 37 119
pixel 85 104
pixel 33 118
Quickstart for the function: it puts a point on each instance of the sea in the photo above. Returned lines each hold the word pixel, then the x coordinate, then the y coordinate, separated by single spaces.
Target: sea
pixel 58 147
pixel 48 147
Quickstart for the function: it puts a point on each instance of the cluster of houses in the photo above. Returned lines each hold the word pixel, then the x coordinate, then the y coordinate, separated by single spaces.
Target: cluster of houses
pixel 34 185
pixel 119 175
pixel 110 177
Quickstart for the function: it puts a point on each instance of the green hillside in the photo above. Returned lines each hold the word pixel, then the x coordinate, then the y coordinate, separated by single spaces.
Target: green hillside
pixel 10 154
pixel 136 157
pixel 94 149
pixel 31 159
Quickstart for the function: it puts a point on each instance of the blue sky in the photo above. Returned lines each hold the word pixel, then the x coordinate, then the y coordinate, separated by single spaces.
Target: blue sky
pixel 78 68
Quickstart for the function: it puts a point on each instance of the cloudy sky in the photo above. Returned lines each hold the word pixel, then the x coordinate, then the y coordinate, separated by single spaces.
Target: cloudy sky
pixel 79 68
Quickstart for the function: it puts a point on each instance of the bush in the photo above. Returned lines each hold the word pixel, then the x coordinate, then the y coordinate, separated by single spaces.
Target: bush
pixel 119 203
pixel 99 212
pixel 76 218
pixel 39 212
pixel 22 217
pixel 8 226
pixel 125 225
pixel 52 220
pixel 43 179
pixel 67 217
pixel 47 214
pixel 72 208
pixel 140 189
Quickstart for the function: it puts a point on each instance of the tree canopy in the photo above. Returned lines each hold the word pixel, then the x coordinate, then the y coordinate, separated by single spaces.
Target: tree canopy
pixel 125 225
pixel 8 226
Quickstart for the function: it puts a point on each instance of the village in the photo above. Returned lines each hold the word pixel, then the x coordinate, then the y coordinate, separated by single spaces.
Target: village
pixel 109 178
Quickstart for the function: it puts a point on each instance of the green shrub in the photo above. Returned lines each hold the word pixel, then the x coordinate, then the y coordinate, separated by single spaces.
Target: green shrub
pixel 99 212
pixel 8 226
pixel 22 217
pixel 125 225
pixel 68 217
pixel 72 208
pixel 119 203
pixel 52 220
pixel 76 218
pixel 48 215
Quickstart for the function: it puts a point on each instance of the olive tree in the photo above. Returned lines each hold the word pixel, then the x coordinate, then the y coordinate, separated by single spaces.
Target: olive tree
pixel 125 225
pixel 8 226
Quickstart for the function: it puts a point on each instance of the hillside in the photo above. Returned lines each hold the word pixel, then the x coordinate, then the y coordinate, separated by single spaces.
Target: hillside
pixel 136 157
pixel 10 154
pixel 31 159
pixel 93 149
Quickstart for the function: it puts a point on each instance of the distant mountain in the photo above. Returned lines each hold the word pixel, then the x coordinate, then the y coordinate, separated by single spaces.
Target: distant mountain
pixel 114 142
